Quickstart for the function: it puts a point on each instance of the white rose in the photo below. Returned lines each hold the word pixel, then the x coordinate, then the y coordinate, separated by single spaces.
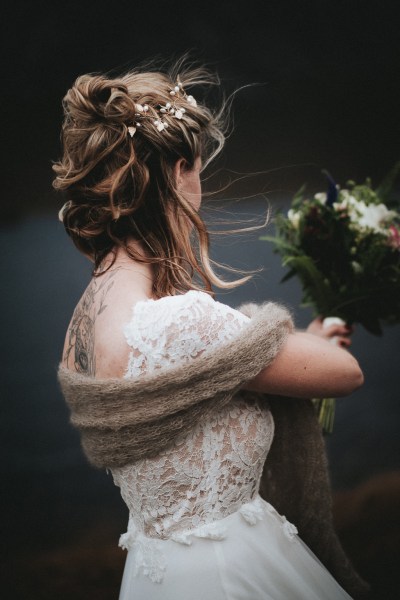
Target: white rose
pixel 321 196
pixel 346 202
pixel 374 216
pixel 357 268
pixel 294 218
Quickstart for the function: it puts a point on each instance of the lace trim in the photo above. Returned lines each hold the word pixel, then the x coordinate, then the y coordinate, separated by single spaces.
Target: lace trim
pixel 288 528
pixel 149 558
pixel 212 472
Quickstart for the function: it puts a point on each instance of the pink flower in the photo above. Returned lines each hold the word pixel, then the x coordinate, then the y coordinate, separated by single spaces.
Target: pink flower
pixel 394 237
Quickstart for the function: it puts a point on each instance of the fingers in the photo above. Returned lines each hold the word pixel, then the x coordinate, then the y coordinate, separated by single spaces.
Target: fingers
pixel 339 330
pixel 333 330
pixel 343 342
pixel 339 335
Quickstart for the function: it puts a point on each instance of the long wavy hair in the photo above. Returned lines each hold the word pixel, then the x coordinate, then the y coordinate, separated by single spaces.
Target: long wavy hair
pixel 121 187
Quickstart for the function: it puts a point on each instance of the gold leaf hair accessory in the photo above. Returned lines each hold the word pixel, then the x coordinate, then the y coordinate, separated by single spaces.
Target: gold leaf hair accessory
pixel 170 109
pixel 141 110
pixel 178 91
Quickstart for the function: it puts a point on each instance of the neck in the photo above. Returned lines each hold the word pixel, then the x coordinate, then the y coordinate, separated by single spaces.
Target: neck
pixel 123 261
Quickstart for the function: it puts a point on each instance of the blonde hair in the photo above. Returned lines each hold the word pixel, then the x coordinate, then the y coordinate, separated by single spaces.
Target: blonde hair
pixel 121 187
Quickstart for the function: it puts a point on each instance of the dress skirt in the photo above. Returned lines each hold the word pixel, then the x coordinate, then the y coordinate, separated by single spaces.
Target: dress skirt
pixel 252 554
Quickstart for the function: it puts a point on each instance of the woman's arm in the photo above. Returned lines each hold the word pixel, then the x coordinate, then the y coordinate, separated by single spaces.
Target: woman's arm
pixel 309 367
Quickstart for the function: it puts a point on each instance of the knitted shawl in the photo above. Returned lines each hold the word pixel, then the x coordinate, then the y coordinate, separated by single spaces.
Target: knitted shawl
pixel 124 420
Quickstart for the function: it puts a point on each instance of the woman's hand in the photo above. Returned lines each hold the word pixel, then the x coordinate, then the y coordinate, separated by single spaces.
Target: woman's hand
pixel 336 334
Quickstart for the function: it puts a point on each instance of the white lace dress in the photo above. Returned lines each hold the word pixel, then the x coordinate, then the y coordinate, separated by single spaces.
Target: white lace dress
pixel 197 527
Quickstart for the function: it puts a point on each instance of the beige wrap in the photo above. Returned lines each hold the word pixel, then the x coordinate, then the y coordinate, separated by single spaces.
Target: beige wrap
pixel 123 420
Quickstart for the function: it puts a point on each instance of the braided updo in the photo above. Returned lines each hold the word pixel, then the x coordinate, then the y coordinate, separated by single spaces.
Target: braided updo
pixel 121 187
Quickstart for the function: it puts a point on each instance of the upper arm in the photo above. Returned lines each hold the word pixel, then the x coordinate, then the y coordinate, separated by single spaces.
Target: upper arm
pixel 308 366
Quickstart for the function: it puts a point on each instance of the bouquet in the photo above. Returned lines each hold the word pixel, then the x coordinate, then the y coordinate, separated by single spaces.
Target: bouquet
pixel 344 246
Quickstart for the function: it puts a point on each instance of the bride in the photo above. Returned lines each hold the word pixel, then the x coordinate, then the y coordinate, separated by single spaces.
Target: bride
pixel 169 387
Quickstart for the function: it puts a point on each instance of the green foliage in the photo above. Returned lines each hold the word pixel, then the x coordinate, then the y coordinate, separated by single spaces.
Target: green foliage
pixel 385 187
pixel 346 256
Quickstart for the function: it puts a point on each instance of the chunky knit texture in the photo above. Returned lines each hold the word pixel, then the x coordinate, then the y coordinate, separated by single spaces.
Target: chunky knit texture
pixel 124 420
pixel 296 482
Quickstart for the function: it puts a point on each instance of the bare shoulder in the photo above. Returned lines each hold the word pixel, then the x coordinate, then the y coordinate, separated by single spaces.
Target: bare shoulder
pixel 94 344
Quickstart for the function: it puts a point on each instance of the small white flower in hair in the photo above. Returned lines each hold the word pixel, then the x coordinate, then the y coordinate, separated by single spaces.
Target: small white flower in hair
pixel 159 124
pixel 191 100
pixel 180 93
pixel 142 111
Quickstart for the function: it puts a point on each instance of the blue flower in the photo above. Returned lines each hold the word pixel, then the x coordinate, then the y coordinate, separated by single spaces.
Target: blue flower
pixel 333 189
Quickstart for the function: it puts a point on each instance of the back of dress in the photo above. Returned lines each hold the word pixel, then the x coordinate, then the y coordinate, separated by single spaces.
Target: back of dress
pixel 197 525
pixel 215 468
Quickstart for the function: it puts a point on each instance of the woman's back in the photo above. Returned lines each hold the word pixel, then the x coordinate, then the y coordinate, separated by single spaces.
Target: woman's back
pixel 214 469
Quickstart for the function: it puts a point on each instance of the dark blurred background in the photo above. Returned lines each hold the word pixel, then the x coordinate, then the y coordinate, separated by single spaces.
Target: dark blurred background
pixel 329 71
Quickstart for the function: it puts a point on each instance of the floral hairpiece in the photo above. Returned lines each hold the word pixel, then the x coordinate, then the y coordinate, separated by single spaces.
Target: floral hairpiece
pixel 170 109
pixel 179 91
pixel 141 110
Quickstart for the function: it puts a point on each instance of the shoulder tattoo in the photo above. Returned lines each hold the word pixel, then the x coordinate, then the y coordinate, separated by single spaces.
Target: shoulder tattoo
pixel 81 332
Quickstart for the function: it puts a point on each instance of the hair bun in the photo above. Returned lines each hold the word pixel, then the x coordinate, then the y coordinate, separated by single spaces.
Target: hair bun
pixel 94 98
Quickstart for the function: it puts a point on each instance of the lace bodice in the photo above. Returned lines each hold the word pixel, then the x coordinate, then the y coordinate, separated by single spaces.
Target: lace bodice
pixel 214 469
